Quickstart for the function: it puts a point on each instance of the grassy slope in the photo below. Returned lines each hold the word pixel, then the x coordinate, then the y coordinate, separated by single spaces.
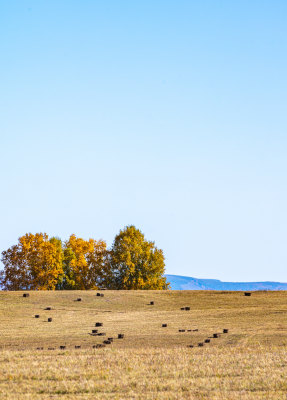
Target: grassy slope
pixel 152 362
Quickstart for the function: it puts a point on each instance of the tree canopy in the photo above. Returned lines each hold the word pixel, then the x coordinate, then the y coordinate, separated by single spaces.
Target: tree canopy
pixel 136 263
pixel 40 263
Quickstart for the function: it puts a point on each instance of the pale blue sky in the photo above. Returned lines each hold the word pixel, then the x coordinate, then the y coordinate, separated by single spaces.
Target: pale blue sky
pixel 169 115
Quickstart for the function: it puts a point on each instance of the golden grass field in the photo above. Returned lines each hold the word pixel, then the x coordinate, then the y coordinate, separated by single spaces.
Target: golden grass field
pixel 151 362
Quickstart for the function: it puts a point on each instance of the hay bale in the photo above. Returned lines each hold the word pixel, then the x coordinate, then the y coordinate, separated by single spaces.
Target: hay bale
pixel 164 325
pixel 37 316
pixel 98 324
pixel 225 330
pixel 247 294
pixel 26 295
pixel 50 319
pixel 120 336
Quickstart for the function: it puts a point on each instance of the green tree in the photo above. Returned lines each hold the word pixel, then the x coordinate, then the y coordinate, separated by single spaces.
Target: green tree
pixel 135 263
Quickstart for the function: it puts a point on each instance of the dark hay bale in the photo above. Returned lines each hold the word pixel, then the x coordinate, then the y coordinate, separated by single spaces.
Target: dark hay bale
pixel 94 330
pixel 79 299
pixel 50 319
pixel 215 335
pixel 187 308
pixel 77 347
pixel 164 325
pixel 48 308
pixel 107 342
pixel 98 324
pixel 225 330
pixel 26 295
pixel 120 336
pixel 200 344
pixel 37 316
pixel 207 341
pixel 62 347
pixel 247 294
pixel 98 346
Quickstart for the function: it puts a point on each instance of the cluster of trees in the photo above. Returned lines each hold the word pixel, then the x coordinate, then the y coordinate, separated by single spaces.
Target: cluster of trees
pixel 38 262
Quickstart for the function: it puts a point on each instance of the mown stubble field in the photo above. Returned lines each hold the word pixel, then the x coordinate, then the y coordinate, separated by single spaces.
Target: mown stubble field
pixel 151 362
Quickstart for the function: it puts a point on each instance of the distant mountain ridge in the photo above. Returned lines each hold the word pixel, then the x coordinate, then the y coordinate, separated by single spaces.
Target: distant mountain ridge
pixel 178 282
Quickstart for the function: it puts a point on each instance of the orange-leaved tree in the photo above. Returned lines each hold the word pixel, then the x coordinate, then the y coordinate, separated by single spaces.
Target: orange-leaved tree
pixel 84 264
pixel 34 263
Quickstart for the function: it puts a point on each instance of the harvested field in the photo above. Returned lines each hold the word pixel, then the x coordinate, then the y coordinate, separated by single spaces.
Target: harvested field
pixel 248 362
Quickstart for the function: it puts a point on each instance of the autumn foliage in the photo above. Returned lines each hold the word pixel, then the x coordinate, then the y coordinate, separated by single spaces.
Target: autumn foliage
pixel 40 263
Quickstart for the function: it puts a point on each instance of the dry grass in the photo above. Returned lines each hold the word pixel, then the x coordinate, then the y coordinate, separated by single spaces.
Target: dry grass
pixel 151 362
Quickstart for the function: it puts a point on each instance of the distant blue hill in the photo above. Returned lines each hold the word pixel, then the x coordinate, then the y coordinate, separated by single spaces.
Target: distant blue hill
pixel 187 283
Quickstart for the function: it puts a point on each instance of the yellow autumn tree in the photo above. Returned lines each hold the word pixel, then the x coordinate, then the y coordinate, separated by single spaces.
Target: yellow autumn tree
pixel 84 264
pixel 135 263
pixel 34 263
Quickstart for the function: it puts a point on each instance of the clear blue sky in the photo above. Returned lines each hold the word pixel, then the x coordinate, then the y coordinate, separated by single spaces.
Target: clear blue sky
pixel 169 115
